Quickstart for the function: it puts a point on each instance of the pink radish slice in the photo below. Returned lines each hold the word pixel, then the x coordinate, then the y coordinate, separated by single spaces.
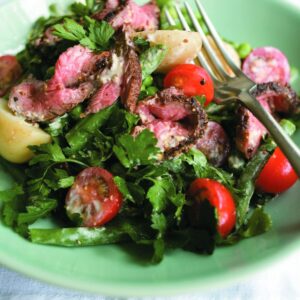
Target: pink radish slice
pixel 267 64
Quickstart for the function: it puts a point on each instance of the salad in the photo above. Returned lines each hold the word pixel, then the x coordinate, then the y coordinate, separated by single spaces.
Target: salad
pixel 111 131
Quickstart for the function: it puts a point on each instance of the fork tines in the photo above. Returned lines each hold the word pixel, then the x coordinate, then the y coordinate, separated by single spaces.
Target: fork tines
pixel 211 58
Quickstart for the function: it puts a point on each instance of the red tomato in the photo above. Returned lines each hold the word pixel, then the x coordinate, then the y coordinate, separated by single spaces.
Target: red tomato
pixel 277 175
pixel 10 71
pixel 192 79
pixel 94 196
pixel 219 197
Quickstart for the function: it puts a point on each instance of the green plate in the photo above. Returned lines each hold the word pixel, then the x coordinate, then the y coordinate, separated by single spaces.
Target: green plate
pixel 115 270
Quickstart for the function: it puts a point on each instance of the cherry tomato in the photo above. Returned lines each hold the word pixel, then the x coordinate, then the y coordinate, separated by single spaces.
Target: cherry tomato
pixel 219 197
pixel 277 175
pixel 192 79
pixel 10 71
pixel 94 197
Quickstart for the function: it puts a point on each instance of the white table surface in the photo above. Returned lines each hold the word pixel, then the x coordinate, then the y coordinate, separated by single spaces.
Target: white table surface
pixel 281 280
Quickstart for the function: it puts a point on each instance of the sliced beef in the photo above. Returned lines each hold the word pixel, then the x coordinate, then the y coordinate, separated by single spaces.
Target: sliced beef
pixel 104 97
pixel 27 100
pixel 168 108
pixel 78 64
pixel 281 98
pixel 176 120
pixel 250 131
pixel 37 101
pixel 214 144
pixel 275 98
pixel 108 11
pixel 74 81
pixel 123 77
pixel 47 39
pixel 128 13
pixel 132 79
pixel 169 134
pixel 10 71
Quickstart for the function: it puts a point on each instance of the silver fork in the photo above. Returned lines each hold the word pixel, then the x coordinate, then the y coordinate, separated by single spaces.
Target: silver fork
pixel 236 87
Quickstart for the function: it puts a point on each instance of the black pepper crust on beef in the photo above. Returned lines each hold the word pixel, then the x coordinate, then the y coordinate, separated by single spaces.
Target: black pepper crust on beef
pixel 198 123
pixel 214 144
pixel 176 120
pixel 275 98
pixel 132 80
pixel 120 13
pixel 282 99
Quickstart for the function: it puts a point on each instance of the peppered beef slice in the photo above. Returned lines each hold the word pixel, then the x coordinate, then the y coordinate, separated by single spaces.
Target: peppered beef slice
pixel 128 13
pixel 72 83
pixel 176 120
pixel 214 144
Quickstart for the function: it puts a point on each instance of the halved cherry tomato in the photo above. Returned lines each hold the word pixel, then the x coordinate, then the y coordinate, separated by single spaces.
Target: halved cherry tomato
pixel 219 197
pixel 277 175
pixel 192 79
pixel 94 196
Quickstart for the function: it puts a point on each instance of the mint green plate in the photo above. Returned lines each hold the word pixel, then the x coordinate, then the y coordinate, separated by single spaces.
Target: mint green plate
pixel 115 270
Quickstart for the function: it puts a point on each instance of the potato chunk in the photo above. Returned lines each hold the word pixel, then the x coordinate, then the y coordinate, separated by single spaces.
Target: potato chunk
pixel 16 135
pixel 182 46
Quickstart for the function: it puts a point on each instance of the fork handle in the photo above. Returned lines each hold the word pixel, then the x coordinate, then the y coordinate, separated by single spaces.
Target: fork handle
pixel 285 143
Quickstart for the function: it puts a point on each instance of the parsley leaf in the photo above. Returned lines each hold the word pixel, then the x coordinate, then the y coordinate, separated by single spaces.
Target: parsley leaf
pixel 90 6
pixel 56 127
pixel 47 152
pixel 152 58
pixel 135 151
pixel 141 43
pixel 40 209
pixel 69 30
pixel 259 223
pixel 160 192
pixel 10 194
pixel 96 37
pixel 100 33
pixel 122 185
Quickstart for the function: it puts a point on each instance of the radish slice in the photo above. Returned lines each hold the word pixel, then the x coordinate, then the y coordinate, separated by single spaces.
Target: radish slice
pixel 267 64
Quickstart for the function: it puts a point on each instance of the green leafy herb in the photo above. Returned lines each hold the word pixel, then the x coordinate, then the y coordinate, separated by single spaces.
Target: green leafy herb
pixel 294 75
pixel 56 127
pixel 82 10
pixel 70 30
pixel 246 184
pixel 100 33
pixel 201 99
pixel 159 193
pixel 40 209
pixel 259 223
pixel 122 185
pixel 10 194
pixel 288 126
pixel 135 151
pixel 81 133
pixel 151 59
pixel 96 37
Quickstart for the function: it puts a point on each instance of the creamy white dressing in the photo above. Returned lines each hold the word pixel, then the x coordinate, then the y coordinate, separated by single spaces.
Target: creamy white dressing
pixel 115 72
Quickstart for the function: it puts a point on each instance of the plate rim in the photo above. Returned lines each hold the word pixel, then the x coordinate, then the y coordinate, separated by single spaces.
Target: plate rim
pixel 167 289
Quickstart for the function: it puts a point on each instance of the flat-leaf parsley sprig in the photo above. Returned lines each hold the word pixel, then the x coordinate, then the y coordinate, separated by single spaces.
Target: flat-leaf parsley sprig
pixel 95 35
